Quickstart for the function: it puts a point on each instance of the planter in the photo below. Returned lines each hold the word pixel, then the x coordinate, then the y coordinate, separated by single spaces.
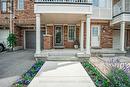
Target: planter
pixel 76 46
pixel 96 76
pixel 27 77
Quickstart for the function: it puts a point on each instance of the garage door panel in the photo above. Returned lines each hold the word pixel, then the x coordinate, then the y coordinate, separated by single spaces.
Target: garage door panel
pixel 31 39
pixel 3 36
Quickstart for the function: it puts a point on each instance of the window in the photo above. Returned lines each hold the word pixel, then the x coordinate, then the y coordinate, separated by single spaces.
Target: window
pixel 71 32
pixel 99 3
pixel 96 3
pixel 3 6
pixel 102 3
pixel 20 4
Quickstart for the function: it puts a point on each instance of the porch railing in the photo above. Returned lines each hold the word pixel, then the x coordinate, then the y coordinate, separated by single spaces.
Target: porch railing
pixel 118 8
pixel 63 1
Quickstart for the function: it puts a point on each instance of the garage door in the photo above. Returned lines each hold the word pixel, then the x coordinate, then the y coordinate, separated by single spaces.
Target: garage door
pixel 31 39
pixel 3 36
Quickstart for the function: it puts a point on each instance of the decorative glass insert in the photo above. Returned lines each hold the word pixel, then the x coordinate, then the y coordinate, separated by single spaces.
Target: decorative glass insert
pixel 95 31
pixel 58 34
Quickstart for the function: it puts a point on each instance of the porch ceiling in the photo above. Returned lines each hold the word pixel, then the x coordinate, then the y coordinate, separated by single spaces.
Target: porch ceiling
pixel 62 18
pixel 117 25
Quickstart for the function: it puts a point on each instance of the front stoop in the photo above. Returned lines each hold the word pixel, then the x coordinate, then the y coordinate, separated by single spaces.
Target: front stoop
pixel 62 56
pixel 41 55
pixel 108 53
pixel 83 55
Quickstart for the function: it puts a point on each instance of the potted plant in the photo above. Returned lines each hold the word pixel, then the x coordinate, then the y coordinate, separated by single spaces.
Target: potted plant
pixel 76 44
pixel 11 41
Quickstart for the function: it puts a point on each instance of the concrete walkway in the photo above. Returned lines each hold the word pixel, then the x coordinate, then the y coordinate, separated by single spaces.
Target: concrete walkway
pixel 62 74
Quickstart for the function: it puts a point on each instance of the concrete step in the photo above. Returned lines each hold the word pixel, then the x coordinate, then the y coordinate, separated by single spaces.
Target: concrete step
pixel 61 54
pixel 108 55
pixel 62 58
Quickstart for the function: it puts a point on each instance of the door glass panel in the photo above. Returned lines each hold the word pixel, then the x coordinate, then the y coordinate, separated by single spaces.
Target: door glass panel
pixel 95 31
pixel 58 34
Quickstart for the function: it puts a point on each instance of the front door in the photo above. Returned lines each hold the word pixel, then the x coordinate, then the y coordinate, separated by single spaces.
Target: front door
pixel 58 36
pixel 95 36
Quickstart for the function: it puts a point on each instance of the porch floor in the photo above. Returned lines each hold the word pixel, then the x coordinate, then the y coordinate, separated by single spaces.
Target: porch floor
pixel 72 53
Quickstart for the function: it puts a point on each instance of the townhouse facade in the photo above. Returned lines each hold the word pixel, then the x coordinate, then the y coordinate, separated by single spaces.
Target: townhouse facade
pixel 60 24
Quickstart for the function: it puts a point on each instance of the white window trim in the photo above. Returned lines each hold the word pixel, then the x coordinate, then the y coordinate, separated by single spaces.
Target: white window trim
pixel 74 33
pixel 18 7
pixel 2 9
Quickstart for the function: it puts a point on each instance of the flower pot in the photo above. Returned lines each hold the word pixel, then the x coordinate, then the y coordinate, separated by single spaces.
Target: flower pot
pixel 76 46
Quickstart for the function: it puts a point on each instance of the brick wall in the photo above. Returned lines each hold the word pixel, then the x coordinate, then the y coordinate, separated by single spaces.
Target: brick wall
pixel 66 43
pixel 106 37
pixel 18 34
pixel 27 13
pixel 106 34
pixel 47 42
pixel 69 44
pixel 50 32
pixel 27 17
pixel 128 38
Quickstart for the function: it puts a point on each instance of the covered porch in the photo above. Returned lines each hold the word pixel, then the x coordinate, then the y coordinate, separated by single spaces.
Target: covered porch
pixel 56 36
pixel 59 14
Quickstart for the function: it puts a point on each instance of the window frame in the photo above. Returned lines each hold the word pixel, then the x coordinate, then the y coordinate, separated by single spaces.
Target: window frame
pixel 104 4
pixel 74 33
pixel 2 10
pixel 97 3
pixel 18 5
pixel 100 5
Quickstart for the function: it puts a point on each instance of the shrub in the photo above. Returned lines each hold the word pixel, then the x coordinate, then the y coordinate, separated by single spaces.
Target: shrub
pixel 119 78
pixel 11 40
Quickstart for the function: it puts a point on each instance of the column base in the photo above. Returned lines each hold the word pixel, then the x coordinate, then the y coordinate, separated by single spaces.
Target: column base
pixel 122 50
pixel 37 53
pixel 83 55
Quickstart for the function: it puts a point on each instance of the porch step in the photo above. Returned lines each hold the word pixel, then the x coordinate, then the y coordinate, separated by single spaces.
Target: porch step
pixel 62 54
pixel 108 55
pixel 62 58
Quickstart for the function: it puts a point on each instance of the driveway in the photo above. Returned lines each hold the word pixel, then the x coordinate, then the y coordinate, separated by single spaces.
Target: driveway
pixel 14 64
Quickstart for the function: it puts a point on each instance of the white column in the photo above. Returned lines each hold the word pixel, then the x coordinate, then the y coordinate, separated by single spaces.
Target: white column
pixel 88 35
pixel 38 34
pixel 82 36
pixel 122 36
